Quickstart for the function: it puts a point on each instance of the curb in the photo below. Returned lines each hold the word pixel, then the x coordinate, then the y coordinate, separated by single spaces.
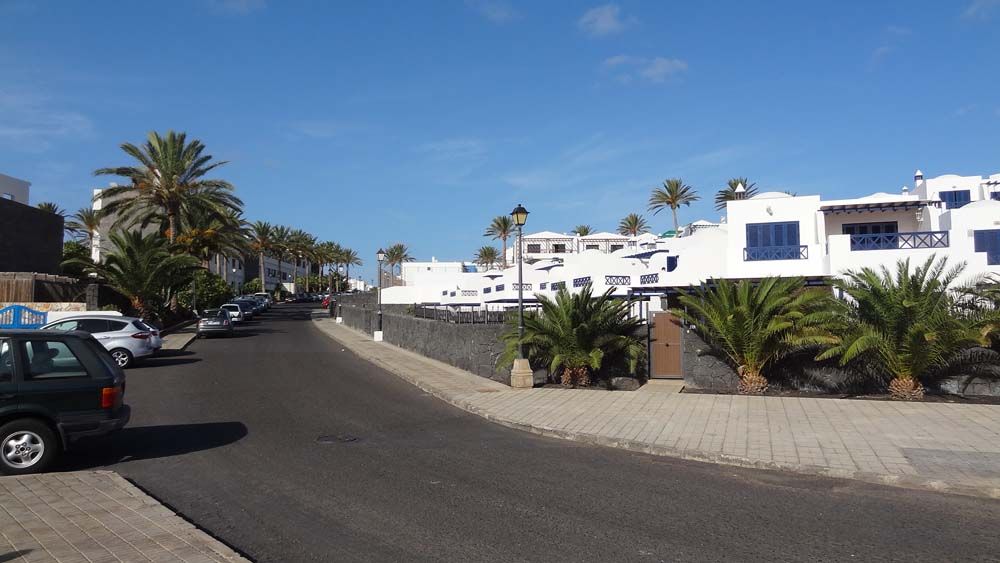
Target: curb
pixel 894 480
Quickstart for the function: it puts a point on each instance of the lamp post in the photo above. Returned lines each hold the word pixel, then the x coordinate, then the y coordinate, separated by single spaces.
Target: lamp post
pixel 239 285
pixel 380 257
pixel 521 376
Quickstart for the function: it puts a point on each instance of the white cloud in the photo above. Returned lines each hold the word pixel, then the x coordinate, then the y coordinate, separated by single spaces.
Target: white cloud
pixel 458 148
pixel 318 128
pixel 239 7
pixel 656 69
pixel 660 68
pixel 603 21
pixel 497 11
pixel 966 110
pixel 32 123
pixel 880 53
pixel 980 9
pixel 898 30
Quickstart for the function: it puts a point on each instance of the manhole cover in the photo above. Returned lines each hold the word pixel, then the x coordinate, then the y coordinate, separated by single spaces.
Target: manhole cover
pixel 337 439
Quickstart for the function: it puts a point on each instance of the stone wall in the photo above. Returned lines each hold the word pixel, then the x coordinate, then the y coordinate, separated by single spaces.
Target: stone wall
pixel 472 347
pixel 31 240
pixel 703 370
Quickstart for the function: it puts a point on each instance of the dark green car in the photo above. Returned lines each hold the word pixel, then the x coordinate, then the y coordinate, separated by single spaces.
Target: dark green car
pixel 54 388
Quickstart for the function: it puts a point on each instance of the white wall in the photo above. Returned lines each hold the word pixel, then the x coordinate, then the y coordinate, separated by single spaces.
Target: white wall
pixel 764 208
pixel 14 189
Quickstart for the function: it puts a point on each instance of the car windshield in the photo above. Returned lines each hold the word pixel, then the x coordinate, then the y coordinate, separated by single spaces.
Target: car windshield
pixel 215 313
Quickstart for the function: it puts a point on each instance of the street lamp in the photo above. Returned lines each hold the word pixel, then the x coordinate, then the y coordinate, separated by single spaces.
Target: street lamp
pixel 380 257
pixel 239 286
pixel 521 375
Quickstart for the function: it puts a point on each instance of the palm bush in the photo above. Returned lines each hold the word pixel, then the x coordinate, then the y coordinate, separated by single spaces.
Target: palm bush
pixel 907 329
pixel 142 269
pixel 672 194
pixel 575 336
pixel 754 325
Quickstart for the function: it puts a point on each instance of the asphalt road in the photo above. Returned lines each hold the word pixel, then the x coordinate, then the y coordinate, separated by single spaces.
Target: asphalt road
pixel 226 433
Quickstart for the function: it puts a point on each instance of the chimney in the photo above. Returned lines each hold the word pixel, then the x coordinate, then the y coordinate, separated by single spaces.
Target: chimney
pixel 741 191
pixel 918 176
pixel 906 190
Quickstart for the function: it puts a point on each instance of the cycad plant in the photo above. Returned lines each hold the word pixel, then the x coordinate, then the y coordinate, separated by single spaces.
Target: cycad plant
pixel 142 269
pixel 576 335
pixel 906 328
pixel 756 324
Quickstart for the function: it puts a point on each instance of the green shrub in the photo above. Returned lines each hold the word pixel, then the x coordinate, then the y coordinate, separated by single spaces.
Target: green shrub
pixel 212 291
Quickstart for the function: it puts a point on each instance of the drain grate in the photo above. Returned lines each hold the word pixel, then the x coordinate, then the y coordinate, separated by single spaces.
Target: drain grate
pixel 337 439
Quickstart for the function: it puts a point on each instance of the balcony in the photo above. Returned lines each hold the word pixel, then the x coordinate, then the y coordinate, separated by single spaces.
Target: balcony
pixel 759 253
pixel 896 241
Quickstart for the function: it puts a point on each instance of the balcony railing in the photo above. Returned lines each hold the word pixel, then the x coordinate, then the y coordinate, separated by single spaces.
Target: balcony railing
pixel 776 253
pixel 895 241
pixel 617 280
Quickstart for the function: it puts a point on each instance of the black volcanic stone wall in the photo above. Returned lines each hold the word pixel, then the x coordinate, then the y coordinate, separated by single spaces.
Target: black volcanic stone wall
pixel 31 240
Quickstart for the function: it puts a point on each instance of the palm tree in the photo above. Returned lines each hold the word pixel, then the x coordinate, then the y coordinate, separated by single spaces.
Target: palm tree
pixel 261 238
pixel 85 223
pixel 755 324
pixel 487 257
pixel 582 230
pixel 142 269
pixel 500 229
pixel 299 244
pixel 632 225
pixel 673 194
pixel 904 327
pixel 574 336
pixel 349 258
pixel 280 249
pixel 728 193
pixel 50 207
pixel 205 234
pixel 395 255
pixel 168 182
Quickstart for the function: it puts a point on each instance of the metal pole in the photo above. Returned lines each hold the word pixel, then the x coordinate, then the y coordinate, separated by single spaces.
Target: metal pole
pixel 380 296
pixel 520 295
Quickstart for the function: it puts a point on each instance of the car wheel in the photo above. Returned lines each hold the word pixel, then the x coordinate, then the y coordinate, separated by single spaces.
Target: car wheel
pixel 122 357
pixel 29 446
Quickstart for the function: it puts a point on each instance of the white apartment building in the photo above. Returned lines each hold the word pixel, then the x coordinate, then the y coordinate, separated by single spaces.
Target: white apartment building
pixel 770 234
pixel 14 189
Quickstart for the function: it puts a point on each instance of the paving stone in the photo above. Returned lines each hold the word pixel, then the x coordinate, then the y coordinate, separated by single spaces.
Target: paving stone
pixel 95 516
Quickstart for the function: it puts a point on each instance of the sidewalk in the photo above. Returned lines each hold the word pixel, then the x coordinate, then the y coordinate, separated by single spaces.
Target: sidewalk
pixel 939 446
pixel 91 516
pixel 179 339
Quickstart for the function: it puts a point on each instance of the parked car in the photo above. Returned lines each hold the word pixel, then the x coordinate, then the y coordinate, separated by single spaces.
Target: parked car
pixel 235 312
pixel 266 297
pixel 155 339
pixel 127 339
pixel 215 321
pixel 55 386
pixel 248 308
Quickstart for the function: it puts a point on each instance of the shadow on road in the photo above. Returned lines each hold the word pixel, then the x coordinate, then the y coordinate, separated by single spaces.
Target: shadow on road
pixel 14 555
pixel 169 358
pixel 150 442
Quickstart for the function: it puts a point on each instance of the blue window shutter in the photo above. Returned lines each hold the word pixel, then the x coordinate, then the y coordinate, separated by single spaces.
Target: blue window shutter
pixel 979 241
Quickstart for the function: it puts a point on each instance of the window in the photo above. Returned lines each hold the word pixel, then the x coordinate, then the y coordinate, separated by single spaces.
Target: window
pixel 995 196
pixel 51 359
pixel 86 325
pixel 955 198
pixel 534 248
pixel 593 247
pixel 615 247
pixel 773 241
pixel 988 241
pixel 558 248
pixel 115 326
pixel 870 228
pixel 6 361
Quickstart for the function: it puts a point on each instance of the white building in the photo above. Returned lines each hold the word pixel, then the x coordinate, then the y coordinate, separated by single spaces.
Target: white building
pixel 13 189
pixel 771 234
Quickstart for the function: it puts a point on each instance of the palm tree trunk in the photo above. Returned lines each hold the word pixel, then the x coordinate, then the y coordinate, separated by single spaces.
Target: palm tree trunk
pixel 505 252
pixel 676 226
pixel 280 287
pixel 347 274
pixel 263 286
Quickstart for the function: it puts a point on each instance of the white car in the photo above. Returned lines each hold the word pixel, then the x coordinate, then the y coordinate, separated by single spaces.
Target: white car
pixel 126 338
pixel 235 312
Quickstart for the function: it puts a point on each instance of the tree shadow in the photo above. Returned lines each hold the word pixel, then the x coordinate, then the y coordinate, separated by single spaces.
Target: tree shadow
pixel 150 442
pixel 14 555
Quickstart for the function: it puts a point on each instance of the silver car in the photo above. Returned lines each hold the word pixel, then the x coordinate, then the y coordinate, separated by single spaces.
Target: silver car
pixel 235 312
pixel 126 338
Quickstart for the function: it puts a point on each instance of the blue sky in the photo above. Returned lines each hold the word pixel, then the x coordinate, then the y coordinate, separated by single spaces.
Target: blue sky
pixel 374 122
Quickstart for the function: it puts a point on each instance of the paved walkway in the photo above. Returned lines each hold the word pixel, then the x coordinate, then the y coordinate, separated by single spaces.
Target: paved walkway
pixel 941 446
pixel 180 338
pixel 95 516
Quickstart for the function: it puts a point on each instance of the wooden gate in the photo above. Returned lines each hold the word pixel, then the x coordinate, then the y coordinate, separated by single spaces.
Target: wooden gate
pixel 666 347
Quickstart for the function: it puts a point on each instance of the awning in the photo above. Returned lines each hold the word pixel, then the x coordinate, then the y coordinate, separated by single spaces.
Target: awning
pixel 878 206
pixel 647 254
